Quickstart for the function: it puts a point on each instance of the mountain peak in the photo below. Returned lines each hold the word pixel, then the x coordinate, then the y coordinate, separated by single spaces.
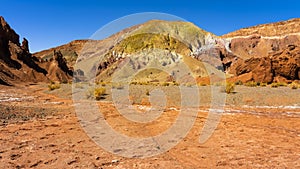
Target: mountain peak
pixel 7 32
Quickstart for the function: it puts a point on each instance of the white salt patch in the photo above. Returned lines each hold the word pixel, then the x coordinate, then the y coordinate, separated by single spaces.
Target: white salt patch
pixel 146 108
pixel 273 107
pixel 173 108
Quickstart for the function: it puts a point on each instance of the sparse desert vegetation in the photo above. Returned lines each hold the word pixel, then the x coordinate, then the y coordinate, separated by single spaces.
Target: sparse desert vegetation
pixel 294 85
pixel 96 93
pixel 252 84
pixel 228 88
pixel 53 86
pixel 99 92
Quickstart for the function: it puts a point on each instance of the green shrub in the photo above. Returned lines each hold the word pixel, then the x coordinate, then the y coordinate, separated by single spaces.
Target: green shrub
pixel 53 86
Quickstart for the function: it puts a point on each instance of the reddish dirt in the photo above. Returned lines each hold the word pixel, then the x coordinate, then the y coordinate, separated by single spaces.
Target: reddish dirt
pixel 252 138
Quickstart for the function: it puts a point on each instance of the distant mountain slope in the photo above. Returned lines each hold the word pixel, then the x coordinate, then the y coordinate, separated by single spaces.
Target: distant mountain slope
pixel 173 36
pixel 165 43
pixel 185 32
pixel 70 51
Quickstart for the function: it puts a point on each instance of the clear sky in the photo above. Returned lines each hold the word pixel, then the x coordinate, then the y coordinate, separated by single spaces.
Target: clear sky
pixel 49 23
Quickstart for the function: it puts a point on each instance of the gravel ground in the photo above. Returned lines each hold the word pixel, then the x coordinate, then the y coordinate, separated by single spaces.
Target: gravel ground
pixel 259 129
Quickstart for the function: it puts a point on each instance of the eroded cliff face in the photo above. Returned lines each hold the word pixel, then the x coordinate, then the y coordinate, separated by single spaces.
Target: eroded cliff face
pixel 276 44
pixel 264 53
pixel 18 65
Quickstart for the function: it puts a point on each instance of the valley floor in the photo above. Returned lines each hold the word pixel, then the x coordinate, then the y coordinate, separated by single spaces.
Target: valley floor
pixel 259 129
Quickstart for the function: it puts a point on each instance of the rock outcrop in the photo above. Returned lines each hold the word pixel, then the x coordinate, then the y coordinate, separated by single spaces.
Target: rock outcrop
pixel 69 51
pixel 260 69
pixel 286 63
pixel 18 65
pixel 283 66
pixel 265 53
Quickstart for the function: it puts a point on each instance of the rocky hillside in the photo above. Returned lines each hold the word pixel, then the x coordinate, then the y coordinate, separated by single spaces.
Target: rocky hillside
pixel 263 53
pixel 249 54
pixel 163 44
pixel 18 65
pixel 69 51
pixel 160 43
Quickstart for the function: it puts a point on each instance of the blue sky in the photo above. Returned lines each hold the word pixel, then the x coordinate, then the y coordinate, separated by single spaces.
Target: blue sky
pixel 49 23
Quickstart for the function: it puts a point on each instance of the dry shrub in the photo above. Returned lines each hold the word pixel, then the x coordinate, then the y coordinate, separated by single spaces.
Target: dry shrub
pixel 99 93
pixel 274 85
pixel 202 84
pixel 148 93
pixel 282 84
pixel 252 84
pixel 294 85
pixel 175 83
pixel 53 86
pixel 96 93
pixel 238 82
pixel 165 84
pixel 263 84
pixel 229 88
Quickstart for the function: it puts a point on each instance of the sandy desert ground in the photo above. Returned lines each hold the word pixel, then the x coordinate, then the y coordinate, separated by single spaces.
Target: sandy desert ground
pixel 259 129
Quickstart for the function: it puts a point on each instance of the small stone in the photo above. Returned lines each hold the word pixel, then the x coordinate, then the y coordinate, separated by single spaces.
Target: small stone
pixel 114 161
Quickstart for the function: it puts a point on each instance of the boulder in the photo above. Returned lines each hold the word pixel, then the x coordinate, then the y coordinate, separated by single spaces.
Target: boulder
pixel 244 78
pixel 287 63
pixel 259 67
